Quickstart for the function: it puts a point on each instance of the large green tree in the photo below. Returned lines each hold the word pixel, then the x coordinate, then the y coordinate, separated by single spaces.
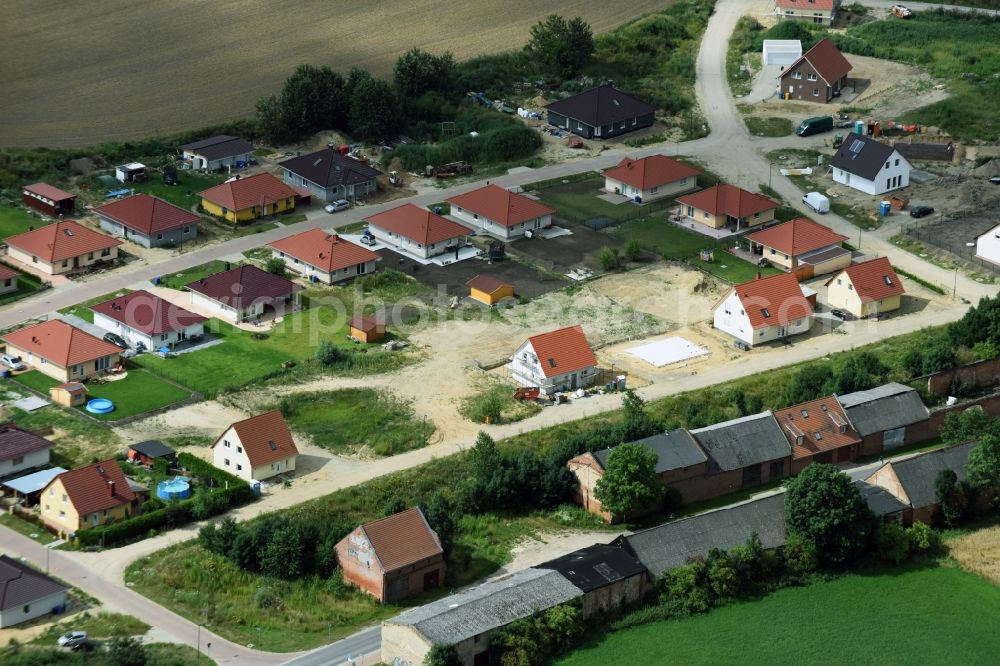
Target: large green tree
pixel 983 467
pixel 824 506
pixel 418 72
pixel 629 482
pixel 373 114
pixel 560 47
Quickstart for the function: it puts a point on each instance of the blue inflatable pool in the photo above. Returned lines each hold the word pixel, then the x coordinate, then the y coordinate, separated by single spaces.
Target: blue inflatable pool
pixel 174 489
pixel 100 406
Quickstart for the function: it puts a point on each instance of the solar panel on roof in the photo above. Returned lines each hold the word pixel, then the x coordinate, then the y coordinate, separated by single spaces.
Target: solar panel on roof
pixel 857 145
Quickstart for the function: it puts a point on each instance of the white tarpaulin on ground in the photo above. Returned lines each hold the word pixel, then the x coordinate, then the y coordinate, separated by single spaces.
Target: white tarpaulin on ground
pixel 665 352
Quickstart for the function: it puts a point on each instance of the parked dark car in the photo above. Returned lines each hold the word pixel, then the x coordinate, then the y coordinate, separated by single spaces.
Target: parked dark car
pixel 839 314
pixel 995 180
pixel 921 211
pixel 116 339
pixel 169 175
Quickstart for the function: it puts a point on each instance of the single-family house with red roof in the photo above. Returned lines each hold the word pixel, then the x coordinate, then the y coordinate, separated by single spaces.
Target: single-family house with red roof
pixel 867 289
pixel 61 351
pixel 21 450
pixel 821 12
pixel 765 309
pixel 62 247
pixel 148 221
pixel 48 199
pixel 86 497
pixel 324 257
pixel 256 448
pixel 818 76
pixel 393 557
pixel 801 245
pixel 500 213
pixel 142 318
pixel 818 431
pixel 416 231
pixel 727 206
pixel 559 360
pixel 650 178
pixel 246 199
pixel 245 293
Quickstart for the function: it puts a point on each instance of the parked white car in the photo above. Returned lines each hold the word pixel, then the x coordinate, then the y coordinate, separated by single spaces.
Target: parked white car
pixel 72 639
pixel 337 206
pixel 12 362
pixel 817 202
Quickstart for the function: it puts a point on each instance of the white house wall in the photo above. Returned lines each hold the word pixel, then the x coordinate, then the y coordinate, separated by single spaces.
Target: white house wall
pixel 878 185
pixel 988 246
pixel 526 370
pixel 308 270
pixel 233 459
pixel 27 461
pixel 407 246
pixel 495 228
pixel 36 608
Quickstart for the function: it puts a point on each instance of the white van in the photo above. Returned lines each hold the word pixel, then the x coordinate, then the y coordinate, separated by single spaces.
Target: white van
pixel 817 202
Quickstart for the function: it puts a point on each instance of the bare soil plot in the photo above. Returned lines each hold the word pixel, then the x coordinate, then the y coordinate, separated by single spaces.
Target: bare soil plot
pixel 564 253
pixel 136 69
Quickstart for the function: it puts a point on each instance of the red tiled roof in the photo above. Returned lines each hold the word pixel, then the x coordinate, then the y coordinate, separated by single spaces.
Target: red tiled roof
pixel 650 172
pixel 49 192
pixel 265 438
pixel 7 272
pixel 501 205
pixel 486 284
pixel 147 214
pixel 418 224
pixel 243 285
pixel 728 200
pixel 142 311
pixel 89 488
pixel 775 300
pixel 874 279
pixel 61 240
pixel 402 539
pixel 59 343
pixel 257 190
pixel 824 417
pixel 365 324
pixel 826 59
pixel 563 350
pixel 797 236
pixel 817 5
pixel 328 252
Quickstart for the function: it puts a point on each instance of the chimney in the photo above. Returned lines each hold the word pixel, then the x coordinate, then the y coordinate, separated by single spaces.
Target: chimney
pixel 758 276
pixel 111 488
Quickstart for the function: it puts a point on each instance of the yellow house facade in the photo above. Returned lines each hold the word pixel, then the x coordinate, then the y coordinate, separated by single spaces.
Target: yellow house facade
pixel 868 289
pixel 86 497
pixel 726 205
pixel 246 199
pixel 251 213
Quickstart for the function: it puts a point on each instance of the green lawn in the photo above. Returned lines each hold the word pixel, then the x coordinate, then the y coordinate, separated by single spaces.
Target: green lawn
pixel 935 614
pixel 355 420
pixel 83 311
pixel 578 200
pixel 178 280
pixel 178 194
pixel 768 126
pixel 80 441
pixel 27 285
pixel 26 528
pixel 674 243
pixel 16 220
pixel 138 393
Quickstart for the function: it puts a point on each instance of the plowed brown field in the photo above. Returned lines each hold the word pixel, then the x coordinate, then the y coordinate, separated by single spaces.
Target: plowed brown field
pixel 80 73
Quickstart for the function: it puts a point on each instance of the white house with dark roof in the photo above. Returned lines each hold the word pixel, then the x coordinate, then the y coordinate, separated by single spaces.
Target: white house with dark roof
pixel 26 594
pixel 217 152
pixel 21 450
pixel 870 166
pixel 329 175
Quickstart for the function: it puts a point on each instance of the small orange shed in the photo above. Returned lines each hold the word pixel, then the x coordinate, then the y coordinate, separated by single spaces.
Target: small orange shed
pixel 489 290
pixel 70 394
pixel 366 329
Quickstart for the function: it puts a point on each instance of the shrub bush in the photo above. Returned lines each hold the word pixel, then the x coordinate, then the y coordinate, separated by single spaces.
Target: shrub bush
pixel 922 538
pixel 891 542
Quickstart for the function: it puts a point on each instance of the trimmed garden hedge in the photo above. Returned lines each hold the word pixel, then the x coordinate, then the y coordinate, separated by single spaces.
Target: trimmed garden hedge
pixel 222 491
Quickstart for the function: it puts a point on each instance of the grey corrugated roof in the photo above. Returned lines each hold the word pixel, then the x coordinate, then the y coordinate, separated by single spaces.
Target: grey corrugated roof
pixel 744 441
pixel 20 584
pixel 861 156
pixel 596 566
pixel 917 474
pixel 882 408
pixel 672 544
pixel 880 500
pixel 493 604
pixel 674 450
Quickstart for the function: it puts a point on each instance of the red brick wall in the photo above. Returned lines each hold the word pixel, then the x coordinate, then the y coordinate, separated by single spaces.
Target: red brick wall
pixel 415 578
pixel 367 577
pixel 979 374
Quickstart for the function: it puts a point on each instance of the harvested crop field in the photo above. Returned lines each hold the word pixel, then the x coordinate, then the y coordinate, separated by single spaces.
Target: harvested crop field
pixel 76 74
pixel 979 553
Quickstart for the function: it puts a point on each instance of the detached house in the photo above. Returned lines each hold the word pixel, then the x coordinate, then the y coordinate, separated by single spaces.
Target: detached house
pixel 62 247
pixel 246 199
pixel 821 12
pixel 559 360
pixel 61 351
pixel 409 229
pixel 21 450
pixel 650 178
pixel 329 175
pixel 148 221
pixel 26 594
pixel 501 213
pixel 8 280
pixel 324 257
pixel 728 206
pixel 818 431
pixel 764 309
pixel 601 113
pixel 244 293
pixel 988 246
pixel 818 76
pixel 86 497
pixel 48 199
pixel 217 152
pixel 256 448
pixel 867 289
pixel 394 557
pixel 887 417
pixel 142 318
pixel 869 166
pixel 803 246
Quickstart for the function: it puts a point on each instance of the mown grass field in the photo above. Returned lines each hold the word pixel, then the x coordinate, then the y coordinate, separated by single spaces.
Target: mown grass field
pixel 178 194
pixel 16 220
pixel 931 614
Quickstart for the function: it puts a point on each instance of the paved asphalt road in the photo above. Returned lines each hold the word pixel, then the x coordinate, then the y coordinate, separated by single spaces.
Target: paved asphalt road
pixel 728 140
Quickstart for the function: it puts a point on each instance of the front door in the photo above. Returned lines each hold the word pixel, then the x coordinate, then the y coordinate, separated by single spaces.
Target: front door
pixel 182 334
pixel 431 580
pixel 572 382
pixel 782 331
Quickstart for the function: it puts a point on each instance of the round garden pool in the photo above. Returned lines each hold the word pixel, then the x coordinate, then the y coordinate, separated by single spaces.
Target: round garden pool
pixel 100 406
pixel 174 489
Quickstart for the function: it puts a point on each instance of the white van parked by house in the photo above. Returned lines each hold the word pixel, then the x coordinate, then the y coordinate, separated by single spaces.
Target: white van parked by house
pixel 817 202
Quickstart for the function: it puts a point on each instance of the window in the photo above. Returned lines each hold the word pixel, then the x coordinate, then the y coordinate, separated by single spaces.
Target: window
pixel 106 252
pixel 65 499
pixel 773 251
pixel 226 462
pixel 62 515
pixel 239 467
pixel 225 211
pixel 815 92
pixel 811 77
pixel 756 216
pixel 690 211
pixel 65 263
pixel 188 229
pixel 635 121
pixel 239 449
pixel 18 460
pixel 897 162
pixel 886 165
pixel 27 608
pixel 163 338
pixel 777 470
pixel 888 183
pixel 796 75
pixel 850 287
pixel 90 257
pixel 654 190
pixel 621 125
pixel 683 181
pixel 765 312
pixel 34 260
pixel 839 281
pixel 52 492
pixel 225 443
pixel 705 215
pixel 159 236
